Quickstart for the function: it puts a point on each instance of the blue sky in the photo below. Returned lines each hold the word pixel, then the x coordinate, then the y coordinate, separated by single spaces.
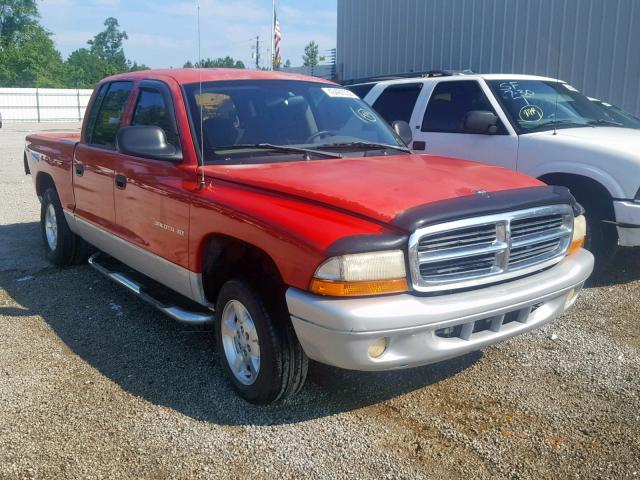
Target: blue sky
pixel 163 33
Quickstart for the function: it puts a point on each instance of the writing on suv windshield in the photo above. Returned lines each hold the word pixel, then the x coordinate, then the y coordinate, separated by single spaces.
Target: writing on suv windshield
pixel 263 121
pixel 537 105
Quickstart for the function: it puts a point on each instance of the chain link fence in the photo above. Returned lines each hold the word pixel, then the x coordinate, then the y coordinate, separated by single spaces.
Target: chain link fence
pixel 43 104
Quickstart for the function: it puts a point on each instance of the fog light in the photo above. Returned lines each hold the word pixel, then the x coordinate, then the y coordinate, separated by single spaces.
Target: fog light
pixel 572 296
pixel 378 347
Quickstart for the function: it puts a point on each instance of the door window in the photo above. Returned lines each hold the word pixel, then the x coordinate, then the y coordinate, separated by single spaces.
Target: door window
pixel 449 104
pixel 95 107
pixel 107 121
pixel 397 102
pixel 152 109
pixel 361 89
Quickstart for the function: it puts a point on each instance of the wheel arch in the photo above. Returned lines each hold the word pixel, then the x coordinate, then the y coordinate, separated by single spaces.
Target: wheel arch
pixel 225 257
pixel 43 182
pixel 580 185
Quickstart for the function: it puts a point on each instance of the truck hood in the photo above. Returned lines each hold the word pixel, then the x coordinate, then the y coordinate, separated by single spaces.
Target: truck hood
pixel 380 188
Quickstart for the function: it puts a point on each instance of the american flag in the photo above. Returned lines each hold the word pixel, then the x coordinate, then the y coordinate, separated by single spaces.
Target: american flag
pixel 277 36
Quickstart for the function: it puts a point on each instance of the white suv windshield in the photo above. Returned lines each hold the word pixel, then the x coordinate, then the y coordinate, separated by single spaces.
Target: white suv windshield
pixel 264 114
pixel 536 105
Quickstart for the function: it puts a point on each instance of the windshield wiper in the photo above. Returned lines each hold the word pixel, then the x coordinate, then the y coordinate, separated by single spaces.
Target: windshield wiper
pixel 381 146
pixel 278 148
pixel 604 121
pixel 560 123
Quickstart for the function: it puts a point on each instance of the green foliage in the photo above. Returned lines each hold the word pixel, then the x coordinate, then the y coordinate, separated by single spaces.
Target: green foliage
pixel 28 57
pixel 105 57
pixel 287 64
pixel 107 45
pixel 15 17
pixel 310 57
pixel 32 60
pixel 221 62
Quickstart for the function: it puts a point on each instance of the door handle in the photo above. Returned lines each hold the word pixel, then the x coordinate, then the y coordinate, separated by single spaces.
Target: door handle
pixel 79 169
pixel 419 145
pixel 121 182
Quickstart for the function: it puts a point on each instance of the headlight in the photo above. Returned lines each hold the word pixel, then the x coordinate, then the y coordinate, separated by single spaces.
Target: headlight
pixel 579 232
pixel 361 274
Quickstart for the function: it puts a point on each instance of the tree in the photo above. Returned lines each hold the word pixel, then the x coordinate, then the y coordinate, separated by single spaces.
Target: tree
pixel 221 62
pixel 287 64
pixel 15 17
pixel 136 67
pixel 86 69
pixel 32 60
pixel 105 57
pixel 107 45
pixel 310 57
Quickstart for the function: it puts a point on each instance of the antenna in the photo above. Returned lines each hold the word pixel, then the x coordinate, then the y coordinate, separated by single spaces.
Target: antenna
pixel 201 159
pixel 555 113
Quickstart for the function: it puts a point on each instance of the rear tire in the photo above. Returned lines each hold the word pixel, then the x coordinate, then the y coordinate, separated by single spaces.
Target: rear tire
pixel 261 354
pixel 62 246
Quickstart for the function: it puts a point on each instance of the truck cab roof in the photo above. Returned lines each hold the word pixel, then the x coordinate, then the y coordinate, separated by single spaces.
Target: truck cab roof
pixel 193 75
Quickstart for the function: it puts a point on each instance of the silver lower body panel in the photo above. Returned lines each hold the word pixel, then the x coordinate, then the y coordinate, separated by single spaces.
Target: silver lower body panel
pixel 180 279
pixel 422 330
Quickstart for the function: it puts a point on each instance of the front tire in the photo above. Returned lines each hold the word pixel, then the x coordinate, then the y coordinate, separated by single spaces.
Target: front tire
pixel 261 354
pixel 602 236
pixel 62 247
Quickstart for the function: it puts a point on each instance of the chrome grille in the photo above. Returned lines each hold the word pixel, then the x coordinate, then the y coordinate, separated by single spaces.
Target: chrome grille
pixel 475 251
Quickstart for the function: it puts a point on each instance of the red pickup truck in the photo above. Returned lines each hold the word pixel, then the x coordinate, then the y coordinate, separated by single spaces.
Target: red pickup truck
pixel 285 211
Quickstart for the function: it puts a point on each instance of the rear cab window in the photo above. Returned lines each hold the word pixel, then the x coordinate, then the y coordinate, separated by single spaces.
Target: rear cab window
pixel 449 104
pixel 109 107
pixel 397 102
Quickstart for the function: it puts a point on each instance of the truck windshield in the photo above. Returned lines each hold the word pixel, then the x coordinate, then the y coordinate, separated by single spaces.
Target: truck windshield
pixel 241 114
pixel 536 105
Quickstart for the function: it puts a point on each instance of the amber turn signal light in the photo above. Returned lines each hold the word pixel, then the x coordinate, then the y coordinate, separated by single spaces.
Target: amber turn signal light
pixel 579 234
pixel 358 289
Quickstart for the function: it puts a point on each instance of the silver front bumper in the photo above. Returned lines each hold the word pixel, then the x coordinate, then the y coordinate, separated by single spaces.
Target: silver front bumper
pixel 339 331
pixel 628 215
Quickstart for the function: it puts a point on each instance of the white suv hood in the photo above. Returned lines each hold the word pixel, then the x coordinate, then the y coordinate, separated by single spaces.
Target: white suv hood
pixel 621 139
pixel 610 155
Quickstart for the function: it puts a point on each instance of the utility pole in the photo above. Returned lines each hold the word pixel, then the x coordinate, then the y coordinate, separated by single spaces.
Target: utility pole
pixel 258 52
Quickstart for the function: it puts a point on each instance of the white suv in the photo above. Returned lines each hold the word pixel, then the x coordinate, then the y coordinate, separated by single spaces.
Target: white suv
pixel 540 126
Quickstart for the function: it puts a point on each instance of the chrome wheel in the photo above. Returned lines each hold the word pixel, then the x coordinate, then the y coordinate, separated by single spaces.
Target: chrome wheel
pixel 51 227
pixel 240 342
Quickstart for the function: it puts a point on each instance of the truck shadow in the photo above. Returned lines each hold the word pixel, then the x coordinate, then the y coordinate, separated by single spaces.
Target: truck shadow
pixel 168 364
pixel 623 268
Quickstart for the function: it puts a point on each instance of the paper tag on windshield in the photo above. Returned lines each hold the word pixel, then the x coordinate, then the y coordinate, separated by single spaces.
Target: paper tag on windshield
pixel 569 87
pixel 339 92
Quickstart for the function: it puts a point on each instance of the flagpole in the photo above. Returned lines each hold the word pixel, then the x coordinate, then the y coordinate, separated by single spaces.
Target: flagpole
pixel 273 26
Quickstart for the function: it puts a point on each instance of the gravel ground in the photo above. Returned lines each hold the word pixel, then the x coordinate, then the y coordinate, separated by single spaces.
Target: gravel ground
pixel 95 384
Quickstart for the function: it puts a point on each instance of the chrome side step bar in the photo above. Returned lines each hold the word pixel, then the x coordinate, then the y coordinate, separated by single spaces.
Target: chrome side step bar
pixel 179 313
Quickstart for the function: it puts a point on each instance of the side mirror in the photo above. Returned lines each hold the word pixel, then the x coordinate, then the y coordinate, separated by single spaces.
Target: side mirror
pixel 403 130
pixel 146 141
pixel 481 121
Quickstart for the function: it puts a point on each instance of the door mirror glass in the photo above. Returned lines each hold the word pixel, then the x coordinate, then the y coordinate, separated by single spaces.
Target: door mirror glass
pixel 146 141
pixel 481 121
pixel 403 130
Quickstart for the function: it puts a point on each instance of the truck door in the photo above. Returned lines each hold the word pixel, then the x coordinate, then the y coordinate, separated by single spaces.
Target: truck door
pixel 438 124
pixel 151 204
pixel 95 156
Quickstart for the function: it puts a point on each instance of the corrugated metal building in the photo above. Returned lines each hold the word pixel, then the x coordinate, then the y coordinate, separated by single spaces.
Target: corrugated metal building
pixel 592 44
